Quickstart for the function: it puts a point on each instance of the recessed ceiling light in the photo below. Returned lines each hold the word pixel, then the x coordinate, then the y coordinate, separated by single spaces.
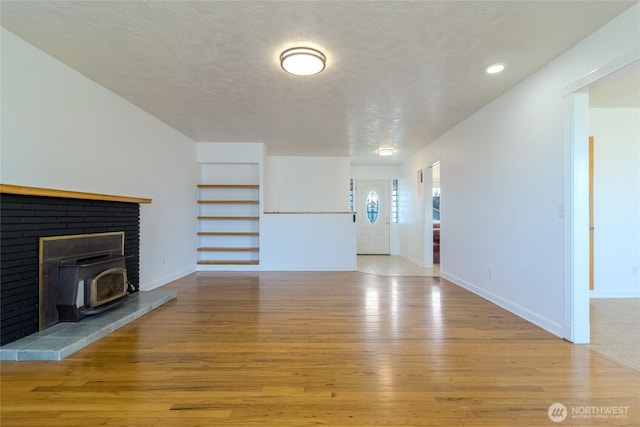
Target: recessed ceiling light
pixel 495 68
pixel 386 151
pixel 302 61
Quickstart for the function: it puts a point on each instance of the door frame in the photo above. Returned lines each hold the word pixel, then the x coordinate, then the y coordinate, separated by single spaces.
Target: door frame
pixel 576 323
pixel 591 214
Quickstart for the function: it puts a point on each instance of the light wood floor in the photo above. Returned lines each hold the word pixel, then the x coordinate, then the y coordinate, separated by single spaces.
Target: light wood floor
pixel 615 329
pixel 319 348
pixel 615 322
pixel 390 265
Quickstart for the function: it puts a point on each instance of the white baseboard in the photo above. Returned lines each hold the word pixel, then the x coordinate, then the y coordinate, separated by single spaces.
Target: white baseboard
pixel 614 294
pixel 291 267
pixel 276 267
pixel 157 283
pixel 415 261
pixel 547 324
pixel 227 268
pixel 566 331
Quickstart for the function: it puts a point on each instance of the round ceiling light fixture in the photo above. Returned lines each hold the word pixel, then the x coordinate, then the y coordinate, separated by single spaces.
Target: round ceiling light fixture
pixel 495 68
pixel 302 61
pixel 386 151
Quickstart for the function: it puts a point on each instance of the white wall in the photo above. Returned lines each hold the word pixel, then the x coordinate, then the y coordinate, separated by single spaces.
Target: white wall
pixel 503 186
pixel 414 226
pixel 230 152
pixel 307 184
pixel 311 242
pixel 375 171
pixel 62 130
pixel 616 133
pixel 316 232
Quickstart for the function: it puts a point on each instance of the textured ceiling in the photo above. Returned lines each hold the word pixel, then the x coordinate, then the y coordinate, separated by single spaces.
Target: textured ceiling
pixel 398 73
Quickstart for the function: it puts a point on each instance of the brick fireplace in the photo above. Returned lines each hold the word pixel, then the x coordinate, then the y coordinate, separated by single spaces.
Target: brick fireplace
pixel 25 218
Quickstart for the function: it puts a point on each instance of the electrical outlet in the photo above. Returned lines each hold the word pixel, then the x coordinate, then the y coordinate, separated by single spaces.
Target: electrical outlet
pixel 490 273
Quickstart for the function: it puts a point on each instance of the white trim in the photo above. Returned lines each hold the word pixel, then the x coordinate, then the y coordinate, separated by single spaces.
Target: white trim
pixel 310 267
pixel 576 287
pixel 576 308
pixel 227 267
pixel 412 260
pixel 632 293
pixel 427 229
pixel 520 311
pixel 595 75
pixel 157 283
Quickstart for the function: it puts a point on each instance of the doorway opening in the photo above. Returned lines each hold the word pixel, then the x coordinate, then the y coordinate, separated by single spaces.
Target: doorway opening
pixel 583 201
pixel 435 211
pixel 614 215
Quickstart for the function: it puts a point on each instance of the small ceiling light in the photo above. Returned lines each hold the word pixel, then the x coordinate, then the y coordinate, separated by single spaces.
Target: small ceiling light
pixel 386 151
pixel 495 68
pixel 302 61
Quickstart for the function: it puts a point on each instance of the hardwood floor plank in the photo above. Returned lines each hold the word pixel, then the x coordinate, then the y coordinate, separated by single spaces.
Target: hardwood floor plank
pixel 319 348
pixel 615 329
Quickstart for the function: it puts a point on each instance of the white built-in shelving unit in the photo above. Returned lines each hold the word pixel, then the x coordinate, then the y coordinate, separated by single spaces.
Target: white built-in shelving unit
pixel 229 214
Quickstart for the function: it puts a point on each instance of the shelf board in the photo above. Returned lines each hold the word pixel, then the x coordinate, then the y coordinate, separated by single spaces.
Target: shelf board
pixel 228 249
pixel 228 262
pixel 228 233
pixel 251 186
pixel 52 192
pixel 228 202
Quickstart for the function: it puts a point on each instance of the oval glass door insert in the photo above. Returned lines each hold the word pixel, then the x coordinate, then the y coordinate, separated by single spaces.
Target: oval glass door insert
pixel 372 207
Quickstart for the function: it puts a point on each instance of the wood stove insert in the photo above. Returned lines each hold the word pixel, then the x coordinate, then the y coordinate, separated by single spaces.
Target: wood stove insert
pixel 90 285
pixel 81 275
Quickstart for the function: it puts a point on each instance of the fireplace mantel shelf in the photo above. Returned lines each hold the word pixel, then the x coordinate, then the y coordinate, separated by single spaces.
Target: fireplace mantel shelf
pixel 51 192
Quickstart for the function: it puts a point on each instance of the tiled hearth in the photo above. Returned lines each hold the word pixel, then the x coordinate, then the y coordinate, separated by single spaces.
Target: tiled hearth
pixel 64 339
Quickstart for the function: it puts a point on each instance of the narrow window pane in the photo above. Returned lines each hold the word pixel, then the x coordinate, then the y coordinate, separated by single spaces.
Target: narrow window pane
pixel 351 207
pixel 394 201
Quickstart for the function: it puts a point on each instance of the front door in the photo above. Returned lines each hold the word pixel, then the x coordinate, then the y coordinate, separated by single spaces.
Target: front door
pixel 373 216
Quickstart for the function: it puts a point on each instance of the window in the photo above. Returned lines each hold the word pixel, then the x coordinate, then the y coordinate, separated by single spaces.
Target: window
pixel 373 203
pixel 351 206
pixel 394 201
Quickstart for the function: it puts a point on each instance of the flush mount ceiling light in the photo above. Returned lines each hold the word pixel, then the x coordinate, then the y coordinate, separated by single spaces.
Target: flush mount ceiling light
pixel 386 151
pixel 495 68
pixel 302 61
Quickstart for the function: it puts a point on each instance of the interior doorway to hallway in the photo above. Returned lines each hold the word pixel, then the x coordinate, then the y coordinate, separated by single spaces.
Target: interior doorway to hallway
pixel 578 225
pixel 435 211
pixel 430 191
